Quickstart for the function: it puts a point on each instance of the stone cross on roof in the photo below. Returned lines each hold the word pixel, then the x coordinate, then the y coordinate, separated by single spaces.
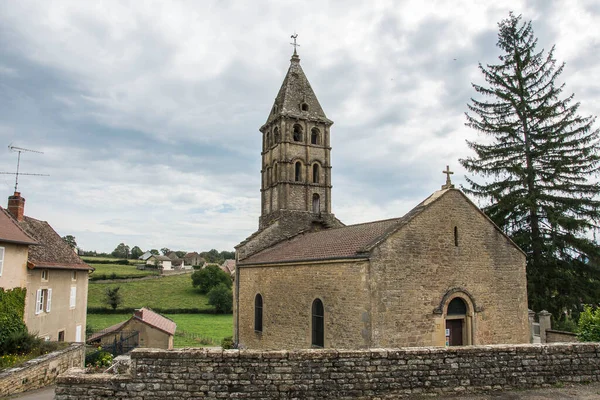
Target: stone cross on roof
pixel 448 184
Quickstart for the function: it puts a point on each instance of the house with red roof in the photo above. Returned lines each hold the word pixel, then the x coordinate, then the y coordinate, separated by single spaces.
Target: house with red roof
pixel 56 278
pixel 150 328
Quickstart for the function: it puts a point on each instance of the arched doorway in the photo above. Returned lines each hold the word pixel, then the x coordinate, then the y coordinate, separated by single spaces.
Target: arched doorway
pixel 457 323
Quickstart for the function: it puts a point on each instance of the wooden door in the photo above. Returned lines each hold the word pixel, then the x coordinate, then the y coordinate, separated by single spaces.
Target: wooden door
pixel 456 331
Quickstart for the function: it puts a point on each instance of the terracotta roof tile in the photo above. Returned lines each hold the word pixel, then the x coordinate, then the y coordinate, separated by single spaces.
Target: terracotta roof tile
pixel 11 232
pixel 52 252
pixel 156 320
pixel 351 241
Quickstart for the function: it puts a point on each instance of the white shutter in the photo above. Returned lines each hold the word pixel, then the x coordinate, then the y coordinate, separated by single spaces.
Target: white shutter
pixel 73 299
pixel 78 333
pixel 49 301
pixel 1 259
pixel 38 301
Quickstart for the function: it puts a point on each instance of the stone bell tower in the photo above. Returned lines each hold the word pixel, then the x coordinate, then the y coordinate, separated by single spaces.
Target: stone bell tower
pixel 296 166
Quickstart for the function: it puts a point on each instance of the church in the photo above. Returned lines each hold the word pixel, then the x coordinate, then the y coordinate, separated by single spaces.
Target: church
pixel 441 275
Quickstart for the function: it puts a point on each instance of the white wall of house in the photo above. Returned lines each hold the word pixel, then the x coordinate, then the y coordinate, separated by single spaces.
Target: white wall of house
pixel 13 265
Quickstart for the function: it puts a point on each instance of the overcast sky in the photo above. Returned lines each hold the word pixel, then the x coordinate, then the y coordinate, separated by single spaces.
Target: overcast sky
pixel 148 112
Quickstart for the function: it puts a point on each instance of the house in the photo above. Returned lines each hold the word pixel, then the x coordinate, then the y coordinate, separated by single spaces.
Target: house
pixel 14 249
pixel 148 327
pixel 228 267
pixel 145 256
pixel 163 262
pixel 56 282
pixel 441 275
pixel 192 259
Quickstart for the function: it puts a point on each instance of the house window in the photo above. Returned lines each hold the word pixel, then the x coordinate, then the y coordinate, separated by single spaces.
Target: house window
pixel 318 324
pixel 44 275
pixel 314 136
pixel 73 297
pixel 43 300
pixel 315 173
pixel 297 133
pixel 1 259
pixel 258 313
pixel 316 203
pixel 298 174
pixel 456 236
pixel 78 333
pixel 304 107
pixel 61 336
pixel 73 275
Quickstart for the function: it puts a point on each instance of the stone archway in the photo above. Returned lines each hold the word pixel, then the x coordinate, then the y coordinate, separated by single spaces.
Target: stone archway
pixel 457 310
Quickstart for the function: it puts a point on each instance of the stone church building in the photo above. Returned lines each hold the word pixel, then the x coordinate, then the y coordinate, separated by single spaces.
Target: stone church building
pixel 443 274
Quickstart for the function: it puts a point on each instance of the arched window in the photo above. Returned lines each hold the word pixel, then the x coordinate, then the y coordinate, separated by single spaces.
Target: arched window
pixel 318 324
pixel 457 307
pixel 304 107
pixel 316 204
pixel 316 173
pixel 275 177
pixel 268 177
pixel 314 136
pixel 297 133
pixel 267 140
pixel 276 135
pixel 258 313
pixel 298 174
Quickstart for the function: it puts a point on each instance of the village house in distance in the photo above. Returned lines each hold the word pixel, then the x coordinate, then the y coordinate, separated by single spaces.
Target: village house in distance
pixel 443 274
pixel 34 256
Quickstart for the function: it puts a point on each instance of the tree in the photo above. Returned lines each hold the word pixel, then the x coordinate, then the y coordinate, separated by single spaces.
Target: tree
pixel 112 297
pixel 180 254
pixel 136 252
pixel 221 298
pixel 588 329
pixel 121 251
pixel 165 251
pixel 154 252
pixel 209 277
pixel 538 156
pixel 70 240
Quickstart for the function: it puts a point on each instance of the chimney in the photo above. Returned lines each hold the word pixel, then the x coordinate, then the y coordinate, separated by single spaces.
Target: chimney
pixel 16 206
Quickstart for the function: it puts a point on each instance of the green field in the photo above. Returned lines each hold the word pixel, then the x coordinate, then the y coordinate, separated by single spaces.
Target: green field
pixel 193 330
pixel 115 271
pixel 170 292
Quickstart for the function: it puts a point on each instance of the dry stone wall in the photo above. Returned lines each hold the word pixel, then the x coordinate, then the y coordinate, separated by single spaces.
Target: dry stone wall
pixel 336 374
pixel 41 371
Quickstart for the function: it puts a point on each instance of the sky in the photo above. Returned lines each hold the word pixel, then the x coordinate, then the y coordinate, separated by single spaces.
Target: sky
pixel 147 113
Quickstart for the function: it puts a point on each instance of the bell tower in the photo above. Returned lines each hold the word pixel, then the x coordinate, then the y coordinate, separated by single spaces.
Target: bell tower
pixel 296 168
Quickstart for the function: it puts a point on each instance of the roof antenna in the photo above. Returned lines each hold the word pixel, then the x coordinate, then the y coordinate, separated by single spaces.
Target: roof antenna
pixel 21 150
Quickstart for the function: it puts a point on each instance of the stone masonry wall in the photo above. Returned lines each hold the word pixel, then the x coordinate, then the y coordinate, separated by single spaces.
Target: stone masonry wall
pixel 560 337
pixel 41 371
pixel 337 374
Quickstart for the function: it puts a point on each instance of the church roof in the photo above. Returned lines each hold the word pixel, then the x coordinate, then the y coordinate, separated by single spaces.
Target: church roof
pixel 294 92
pixel 351 241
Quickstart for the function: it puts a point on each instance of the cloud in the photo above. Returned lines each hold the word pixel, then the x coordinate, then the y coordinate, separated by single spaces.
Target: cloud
pixel 148 113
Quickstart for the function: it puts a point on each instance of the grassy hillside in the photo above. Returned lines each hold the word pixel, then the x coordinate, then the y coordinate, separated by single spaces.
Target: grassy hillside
pixel 170 292
pixel 202 326
pixel 115 271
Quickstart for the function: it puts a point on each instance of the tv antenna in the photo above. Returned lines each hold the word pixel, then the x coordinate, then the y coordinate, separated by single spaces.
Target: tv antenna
pixel 16 174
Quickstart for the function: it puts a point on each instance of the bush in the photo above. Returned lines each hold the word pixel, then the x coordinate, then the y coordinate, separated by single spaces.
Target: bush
pixel 20 343
pixel 112 297
pixel 12 308
pixel 99 359
pixel 227 343
pixel 589 325
pixel 221 298
pixel 210 277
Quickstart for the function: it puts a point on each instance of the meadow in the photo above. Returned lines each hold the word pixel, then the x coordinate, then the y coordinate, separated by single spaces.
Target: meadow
pixel 115 271
pixel 193 330
pixel 164 293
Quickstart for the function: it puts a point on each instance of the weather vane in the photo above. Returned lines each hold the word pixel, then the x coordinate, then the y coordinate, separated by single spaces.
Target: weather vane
pixel 294 36
pixel 20 150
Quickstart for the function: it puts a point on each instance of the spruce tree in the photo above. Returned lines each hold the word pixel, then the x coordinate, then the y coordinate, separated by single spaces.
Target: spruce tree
pixel 539 160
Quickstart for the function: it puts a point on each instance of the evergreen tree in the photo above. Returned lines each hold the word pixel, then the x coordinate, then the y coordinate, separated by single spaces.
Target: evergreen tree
pixel 539 158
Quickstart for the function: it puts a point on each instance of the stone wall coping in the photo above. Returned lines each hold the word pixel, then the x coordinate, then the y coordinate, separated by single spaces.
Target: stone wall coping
pixel 41 359
pixel 78 376
pixel 313 354
pixel 561 332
